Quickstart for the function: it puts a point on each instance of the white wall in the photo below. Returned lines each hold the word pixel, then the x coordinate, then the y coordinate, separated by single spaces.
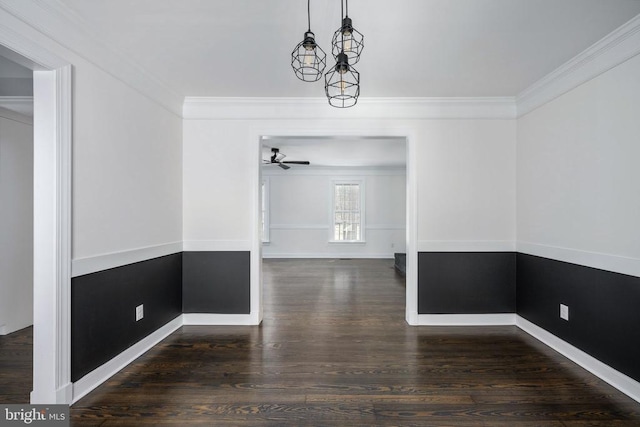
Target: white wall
pixel 127 168
pixel 300 203
pixel 460 172
pixel 217 193
pixel 465 178
pixel 127 155
pixel 16 225
pixel 126 174
pixel 578 176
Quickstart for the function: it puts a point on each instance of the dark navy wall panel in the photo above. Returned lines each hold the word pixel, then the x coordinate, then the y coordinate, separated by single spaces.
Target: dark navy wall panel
pixel 216 282
pixel 604 308
pixel 466 282
pixel 103 306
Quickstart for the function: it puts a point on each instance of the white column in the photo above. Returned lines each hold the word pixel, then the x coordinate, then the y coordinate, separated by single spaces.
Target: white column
pixel 52 243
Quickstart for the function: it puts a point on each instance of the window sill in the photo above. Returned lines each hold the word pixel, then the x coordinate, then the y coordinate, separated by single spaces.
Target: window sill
pixel 349 242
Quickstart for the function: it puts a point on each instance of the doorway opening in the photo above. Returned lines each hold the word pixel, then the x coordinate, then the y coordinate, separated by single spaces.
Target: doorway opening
pixel 52 88
pixel 16 196
pixel 298 215
pixel 16 229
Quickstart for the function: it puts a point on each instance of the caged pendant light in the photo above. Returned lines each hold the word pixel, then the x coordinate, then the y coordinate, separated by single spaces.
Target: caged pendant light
pixel 308 59
pixel 347 39
pixel 342 83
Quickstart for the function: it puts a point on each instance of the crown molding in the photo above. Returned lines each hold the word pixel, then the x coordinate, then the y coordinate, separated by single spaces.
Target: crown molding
pixel 13 39
pixel 612 50
pixel 56 21
pixel 20 105
pixel 212 108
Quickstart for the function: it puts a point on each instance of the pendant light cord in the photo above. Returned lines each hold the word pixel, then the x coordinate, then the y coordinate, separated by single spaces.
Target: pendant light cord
pixel 309 14
pixel 346 8
pixel 342 16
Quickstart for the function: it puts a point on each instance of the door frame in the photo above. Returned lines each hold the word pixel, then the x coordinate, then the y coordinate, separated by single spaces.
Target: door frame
pixel 336 128
pixel 52 213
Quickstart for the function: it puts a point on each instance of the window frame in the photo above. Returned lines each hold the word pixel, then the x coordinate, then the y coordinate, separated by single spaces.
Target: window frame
pixel 332 209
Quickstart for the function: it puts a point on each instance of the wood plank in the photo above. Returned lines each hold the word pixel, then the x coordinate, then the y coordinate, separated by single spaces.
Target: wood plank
pixel 16 372
pixel 334 349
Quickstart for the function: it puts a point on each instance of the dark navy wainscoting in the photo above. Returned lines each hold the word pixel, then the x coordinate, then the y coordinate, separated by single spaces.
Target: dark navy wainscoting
pixel 216 282
pixel 466 282
pixel 103 306
pixel 604 308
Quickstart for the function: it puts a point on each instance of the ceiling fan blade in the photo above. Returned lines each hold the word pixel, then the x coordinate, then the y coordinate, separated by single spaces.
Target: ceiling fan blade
pixel 297 162
pixel 285 167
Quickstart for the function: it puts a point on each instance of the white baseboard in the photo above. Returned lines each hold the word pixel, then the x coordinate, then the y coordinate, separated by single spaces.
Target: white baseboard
pixel 493 319
pixel 9 329
pixel 617 379
pixel 65 393
pixel 625 384
pixel 213 319
pixel 101 374
pixel 412 318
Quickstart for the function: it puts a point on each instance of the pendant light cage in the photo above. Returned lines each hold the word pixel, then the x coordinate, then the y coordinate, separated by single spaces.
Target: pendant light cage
pixel 342 84
pixel 348 40
pixel 308 59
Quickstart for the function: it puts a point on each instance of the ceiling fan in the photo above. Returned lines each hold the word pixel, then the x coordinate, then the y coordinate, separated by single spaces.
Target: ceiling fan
pixel 277 158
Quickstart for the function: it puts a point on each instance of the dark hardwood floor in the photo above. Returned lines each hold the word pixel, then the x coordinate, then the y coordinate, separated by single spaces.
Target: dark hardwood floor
pixel 16 360
pixel 334 350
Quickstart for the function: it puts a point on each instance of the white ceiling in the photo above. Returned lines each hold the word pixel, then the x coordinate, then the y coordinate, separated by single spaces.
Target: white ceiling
pixel 339 151
pixel 10 69
pixel 413 48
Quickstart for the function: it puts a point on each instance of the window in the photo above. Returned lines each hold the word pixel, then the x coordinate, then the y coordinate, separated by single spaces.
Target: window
pixel 348 211
pixel 265 210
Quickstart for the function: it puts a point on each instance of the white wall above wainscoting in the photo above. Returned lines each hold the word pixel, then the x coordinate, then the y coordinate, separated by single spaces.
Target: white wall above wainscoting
pixel 16 225
pixel 300 213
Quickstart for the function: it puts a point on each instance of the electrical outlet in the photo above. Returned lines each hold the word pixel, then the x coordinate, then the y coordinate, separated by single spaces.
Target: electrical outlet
pixel 139 312
pixel 564 312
